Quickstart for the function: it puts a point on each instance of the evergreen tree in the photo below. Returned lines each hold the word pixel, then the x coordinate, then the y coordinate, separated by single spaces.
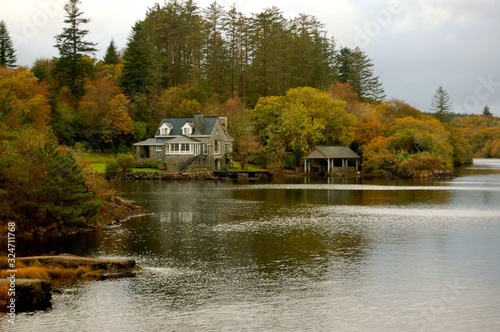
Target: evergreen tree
pixel 356 68
pixel 141 65
pixel 44 185
pixel 440 103
pixel 111 57
pixel 7 53
pixel 487 112
pixel 214 51
pixel 73 64
pixel 236 30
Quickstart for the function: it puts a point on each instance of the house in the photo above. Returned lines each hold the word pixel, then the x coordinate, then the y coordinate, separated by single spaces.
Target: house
pixel 182 142
pixel 328 158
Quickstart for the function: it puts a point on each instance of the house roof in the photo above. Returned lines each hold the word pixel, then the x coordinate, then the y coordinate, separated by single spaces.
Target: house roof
pixel 332 152
pixel 152 142
pixel 177 123
pixel 163 141
pixel 182 139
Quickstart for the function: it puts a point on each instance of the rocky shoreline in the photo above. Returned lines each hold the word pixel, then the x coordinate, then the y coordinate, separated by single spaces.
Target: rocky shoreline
pixel 36 293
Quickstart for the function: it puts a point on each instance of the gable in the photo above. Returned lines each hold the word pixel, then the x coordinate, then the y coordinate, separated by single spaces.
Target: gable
pixel 177 124
pixel 165 129
pixel 315 154
pixel 333 152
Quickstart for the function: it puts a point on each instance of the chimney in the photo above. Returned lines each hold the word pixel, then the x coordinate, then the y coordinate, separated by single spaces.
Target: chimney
pixel 223 121
pixel 198 124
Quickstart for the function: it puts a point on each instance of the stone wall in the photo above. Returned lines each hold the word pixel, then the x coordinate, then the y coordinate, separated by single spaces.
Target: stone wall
pixel 164 176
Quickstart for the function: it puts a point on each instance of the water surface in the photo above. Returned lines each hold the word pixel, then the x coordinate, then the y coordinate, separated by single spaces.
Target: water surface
pixel 300 255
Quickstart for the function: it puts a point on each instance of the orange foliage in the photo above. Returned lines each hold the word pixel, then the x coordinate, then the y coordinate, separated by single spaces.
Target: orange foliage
pixel 24 100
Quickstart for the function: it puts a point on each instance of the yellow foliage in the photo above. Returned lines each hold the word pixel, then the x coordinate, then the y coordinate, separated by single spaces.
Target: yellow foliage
pixel 24 100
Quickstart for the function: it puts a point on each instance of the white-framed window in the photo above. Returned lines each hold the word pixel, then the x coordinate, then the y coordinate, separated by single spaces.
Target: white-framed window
pixel 205 148
pixel 187 129
pixel 165 129
pixel 159 148
pixel 180 148
pixel 174 148
pixel 218 146
pixel 197 148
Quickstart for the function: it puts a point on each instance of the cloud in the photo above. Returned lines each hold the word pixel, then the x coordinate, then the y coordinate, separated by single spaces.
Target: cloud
pixel 416 45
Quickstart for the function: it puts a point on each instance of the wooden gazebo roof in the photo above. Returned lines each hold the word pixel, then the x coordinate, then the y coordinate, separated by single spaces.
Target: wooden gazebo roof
pixel 332 152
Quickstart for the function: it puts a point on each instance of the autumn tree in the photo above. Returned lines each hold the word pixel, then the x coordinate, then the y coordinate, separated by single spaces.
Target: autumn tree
pixel 23 101
pixel 73 65
pixel 103 115
pixel 440 103
pixel 292 125
pixel 7 53
pixel 482 132
pixel 247 143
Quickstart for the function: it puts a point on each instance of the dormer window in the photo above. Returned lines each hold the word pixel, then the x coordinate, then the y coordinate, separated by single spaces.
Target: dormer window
pixel 165 129
pixel 187 129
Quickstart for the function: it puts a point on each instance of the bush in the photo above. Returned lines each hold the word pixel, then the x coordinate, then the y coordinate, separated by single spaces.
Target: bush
pixel 112 169
pixel 149 164
pixel 125 162
pixel 419 165
pixel 121 165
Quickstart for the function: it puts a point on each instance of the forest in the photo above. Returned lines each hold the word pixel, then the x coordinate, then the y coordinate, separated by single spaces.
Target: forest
pixel 284 85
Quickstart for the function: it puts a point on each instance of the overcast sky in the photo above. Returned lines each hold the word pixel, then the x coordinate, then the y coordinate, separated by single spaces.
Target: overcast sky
pixel 415 45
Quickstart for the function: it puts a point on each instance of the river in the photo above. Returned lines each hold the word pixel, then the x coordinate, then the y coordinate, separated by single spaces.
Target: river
pixel 295 255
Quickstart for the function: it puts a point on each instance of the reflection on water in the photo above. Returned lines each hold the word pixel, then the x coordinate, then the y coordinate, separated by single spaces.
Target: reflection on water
pixel 319 255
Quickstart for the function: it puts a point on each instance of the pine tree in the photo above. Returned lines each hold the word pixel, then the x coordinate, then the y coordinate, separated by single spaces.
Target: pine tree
pixel 44 185
pixel 73 64
pixel 356 68
pixel 7 53
pixel 440 103
pixel 141 65
pixel 487 112
pixel 111 57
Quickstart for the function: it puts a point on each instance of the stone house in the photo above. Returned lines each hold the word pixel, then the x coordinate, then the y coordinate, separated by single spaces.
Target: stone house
pixel 183 142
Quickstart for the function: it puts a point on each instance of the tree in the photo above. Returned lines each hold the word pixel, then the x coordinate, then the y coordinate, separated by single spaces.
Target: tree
pixel 73 64
pixel 292 125
pixel 214 50
pixel 487 112
pixel 141 70
pixel 356 68
pixel 7 53
pixel 24 101
pixel 440 103
pixel 111 57
pixel 45 187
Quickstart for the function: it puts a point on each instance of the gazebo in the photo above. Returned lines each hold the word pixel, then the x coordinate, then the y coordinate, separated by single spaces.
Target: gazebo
pixel 331 157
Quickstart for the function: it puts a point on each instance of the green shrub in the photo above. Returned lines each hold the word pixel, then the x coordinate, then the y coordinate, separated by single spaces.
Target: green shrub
pixel 112 169
pixel 150 164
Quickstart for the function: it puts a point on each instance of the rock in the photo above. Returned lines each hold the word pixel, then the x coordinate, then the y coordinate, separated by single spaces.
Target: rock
pixel 31 294
pixel 70 261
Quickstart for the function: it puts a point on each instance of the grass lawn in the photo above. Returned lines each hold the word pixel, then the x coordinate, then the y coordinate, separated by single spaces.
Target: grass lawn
pixel 250 167
pixel 98 162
